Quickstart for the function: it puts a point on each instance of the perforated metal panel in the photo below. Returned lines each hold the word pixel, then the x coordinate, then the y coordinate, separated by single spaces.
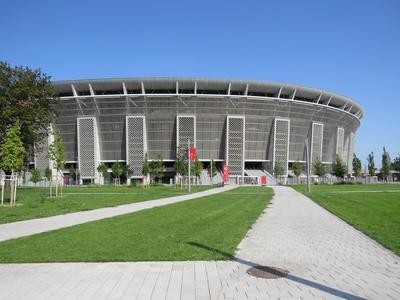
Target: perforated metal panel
pixel 235 141
pixel 316 141
pixel 41 160
pixel 350 153
pixel 87 147
pixel 340 142
pixel 185 130
pixel 135 143
pixel 281 143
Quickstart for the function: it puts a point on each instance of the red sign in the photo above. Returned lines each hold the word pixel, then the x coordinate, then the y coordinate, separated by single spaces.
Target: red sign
pixel 225 170
pixel 264 180
pixel 193 153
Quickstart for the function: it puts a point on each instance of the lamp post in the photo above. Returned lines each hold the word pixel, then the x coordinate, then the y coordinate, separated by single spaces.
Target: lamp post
pixel 188 154
pixel 308 166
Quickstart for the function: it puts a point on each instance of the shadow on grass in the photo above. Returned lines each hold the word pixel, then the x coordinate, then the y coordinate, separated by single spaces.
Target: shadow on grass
pixel 310 283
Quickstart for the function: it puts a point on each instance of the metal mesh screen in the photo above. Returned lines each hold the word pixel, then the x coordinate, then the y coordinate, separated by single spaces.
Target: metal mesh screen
pixel 340 142
pixel 135 143
pixel 185 130
pixel 86 147
pixel 41 161
pixel 235 144
pixel 351 152
pixel 316 141
pixel 281 143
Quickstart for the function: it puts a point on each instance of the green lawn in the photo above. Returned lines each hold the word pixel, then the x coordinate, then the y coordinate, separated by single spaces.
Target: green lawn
pixel 208 228
pixel 373 209
pixel 35 203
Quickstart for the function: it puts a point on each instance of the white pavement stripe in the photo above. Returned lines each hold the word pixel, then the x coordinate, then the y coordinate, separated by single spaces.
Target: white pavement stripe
pixel 30 227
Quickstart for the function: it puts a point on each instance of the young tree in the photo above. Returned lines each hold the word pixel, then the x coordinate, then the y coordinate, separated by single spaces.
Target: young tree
pixel 28 96
pixel 339 167
pixel 297 170
pixel 117 170
pixel 181 164
pixel 371 164
pixel 36 176
pixel 197 168
pixel 319 168
pixel 48 174
pixel 356 166
pixel 385 170
pixel 56 154
pixel 102 168
pixel 278 169
pixel 12 156
pixel 72 172
pixel 127 172
pixel 157 169
pixel 396 164
pixel 212 170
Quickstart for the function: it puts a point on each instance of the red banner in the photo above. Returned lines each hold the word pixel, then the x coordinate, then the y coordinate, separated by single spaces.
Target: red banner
pixel 264 180
pixel 225 170
pixel 193 153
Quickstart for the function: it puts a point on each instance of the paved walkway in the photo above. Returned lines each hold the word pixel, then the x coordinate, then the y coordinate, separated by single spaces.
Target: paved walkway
pixel 29 227
pixel 327 259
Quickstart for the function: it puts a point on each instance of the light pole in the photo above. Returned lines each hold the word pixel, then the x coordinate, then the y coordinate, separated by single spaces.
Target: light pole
pixel 308 166
pixel 188 154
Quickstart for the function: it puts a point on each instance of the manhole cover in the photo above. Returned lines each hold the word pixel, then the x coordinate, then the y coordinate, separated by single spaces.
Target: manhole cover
pixel 267 272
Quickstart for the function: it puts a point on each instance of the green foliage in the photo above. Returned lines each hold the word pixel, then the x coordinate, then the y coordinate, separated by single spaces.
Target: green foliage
pixel 146 166
pixel 197 167
pixel 371 164
pixel 385 170
pixel 56 152
pixel 116 169
pixel 48 173
pixel 278 169
pixel 35 176
pixel 396 164
pixel 181 165
pixel 356 166
pixel 12 151
pixel 319 168
pixel 297 168
pixel 214 169
pixel 27 96
pixel 127 171
pixel 72 172
pixel 157 169
pixel 102 168
pixel 339 167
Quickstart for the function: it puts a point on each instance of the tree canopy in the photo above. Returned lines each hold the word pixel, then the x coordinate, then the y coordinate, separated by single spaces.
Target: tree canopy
pixel 371 164
pixel 385 170
pixel 12 150
pixel 319 168
pixel 297 169
pixel 339 167
pixel 356 166
pixel 27 96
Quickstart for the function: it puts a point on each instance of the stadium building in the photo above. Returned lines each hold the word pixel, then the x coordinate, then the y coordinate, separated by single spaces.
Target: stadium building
pixel 248 125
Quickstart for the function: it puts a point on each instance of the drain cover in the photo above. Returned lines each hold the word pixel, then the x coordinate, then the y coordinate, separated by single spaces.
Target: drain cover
pixel 267 272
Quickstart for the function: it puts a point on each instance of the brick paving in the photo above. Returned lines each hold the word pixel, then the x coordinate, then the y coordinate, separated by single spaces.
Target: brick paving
pixel 326 258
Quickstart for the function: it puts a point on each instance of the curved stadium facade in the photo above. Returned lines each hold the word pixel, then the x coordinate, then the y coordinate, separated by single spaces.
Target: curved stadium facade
pixel 248 125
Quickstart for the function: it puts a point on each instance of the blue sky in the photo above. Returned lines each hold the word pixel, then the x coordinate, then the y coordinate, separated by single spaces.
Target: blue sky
pixel 348 47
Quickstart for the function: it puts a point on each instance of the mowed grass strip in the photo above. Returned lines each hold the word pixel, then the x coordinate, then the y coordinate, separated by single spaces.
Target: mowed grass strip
pixel 377 214
pixel 208 228
pixel 36 203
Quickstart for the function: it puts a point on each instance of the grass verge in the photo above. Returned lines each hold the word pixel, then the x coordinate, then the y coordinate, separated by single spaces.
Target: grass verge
pixel 208 228
pixel 373 209
pixel 35 203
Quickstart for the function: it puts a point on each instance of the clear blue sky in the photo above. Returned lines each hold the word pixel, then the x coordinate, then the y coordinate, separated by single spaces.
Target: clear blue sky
pixel 348 47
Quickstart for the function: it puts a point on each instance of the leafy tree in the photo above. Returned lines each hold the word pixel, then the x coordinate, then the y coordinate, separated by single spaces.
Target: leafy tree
pixel 278 169
pixel 116 170
pixel 319 168
pixel 47 173
pixel 385 170
pixel 396 164
pixel 339 167
pixel 197 168
pixel 371 164
pixel 72 172
pixel 56 153
pixel 127 171
pixel 12 155
pixel 27 96
pixel 297 169
pixel 102 168
pixel 157 169
pixel 35 176
pixel 356 166
pixel 181 165
pixel 214 169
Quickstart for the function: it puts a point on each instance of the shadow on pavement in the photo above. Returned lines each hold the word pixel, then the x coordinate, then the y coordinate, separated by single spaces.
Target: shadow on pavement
pixel 310 283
